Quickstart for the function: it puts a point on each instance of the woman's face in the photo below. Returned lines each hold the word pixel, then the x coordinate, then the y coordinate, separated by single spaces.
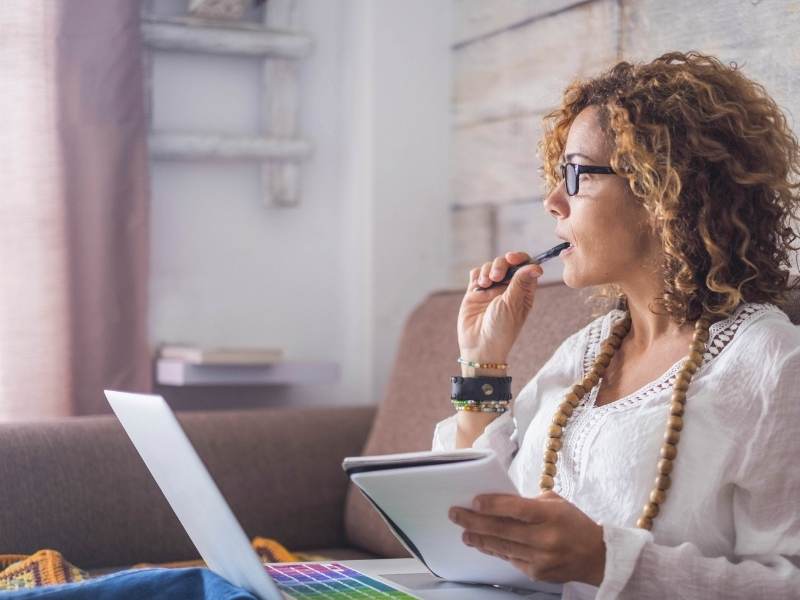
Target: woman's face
pixel 604 222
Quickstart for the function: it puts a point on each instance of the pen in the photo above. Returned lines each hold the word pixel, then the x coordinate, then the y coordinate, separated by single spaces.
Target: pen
pixel 538 259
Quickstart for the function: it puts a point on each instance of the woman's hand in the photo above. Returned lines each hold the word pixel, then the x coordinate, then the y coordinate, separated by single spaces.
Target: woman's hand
pixel 547 538
pixel 490 320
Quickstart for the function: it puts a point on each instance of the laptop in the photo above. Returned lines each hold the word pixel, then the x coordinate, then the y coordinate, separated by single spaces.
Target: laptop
pixel 221 541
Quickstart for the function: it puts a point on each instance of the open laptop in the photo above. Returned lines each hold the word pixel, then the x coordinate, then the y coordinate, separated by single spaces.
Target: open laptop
pixel 220 539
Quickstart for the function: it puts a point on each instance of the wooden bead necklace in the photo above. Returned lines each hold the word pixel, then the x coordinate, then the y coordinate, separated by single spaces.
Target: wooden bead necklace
pixel 669 449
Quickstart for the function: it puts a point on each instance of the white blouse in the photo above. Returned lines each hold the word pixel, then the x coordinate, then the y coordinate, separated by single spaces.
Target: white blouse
pixel 730 527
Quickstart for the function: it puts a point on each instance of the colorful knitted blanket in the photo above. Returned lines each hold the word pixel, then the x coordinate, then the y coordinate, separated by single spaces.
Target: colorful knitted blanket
pixel 45 567
pixel 48 567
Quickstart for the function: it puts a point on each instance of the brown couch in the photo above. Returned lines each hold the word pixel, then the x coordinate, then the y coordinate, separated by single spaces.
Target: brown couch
pixel 78 486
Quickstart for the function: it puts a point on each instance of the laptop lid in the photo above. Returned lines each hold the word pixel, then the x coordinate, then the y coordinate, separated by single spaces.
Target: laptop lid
pixel 190 491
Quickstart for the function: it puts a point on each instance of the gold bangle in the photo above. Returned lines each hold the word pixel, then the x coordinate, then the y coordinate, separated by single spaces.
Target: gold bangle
pixel 477 365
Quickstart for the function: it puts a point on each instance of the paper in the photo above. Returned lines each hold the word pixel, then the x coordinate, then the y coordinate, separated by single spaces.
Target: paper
pixel 415 501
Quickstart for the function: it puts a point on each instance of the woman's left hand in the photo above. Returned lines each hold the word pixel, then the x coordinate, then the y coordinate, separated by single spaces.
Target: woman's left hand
pixel 547 538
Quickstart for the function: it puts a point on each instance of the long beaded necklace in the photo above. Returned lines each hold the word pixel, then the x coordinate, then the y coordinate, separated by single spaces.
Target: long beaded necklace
pixel 669 449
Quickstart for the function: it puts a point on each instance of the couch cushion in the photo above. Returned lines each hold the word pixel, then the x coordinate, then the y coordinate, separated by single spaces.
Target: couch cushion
pixel 426 359
pixel 78 486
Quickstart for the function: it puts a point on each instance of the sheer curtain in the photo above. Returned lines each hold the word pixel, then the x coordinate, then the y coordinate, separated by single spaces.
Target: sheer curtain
pixel 73 206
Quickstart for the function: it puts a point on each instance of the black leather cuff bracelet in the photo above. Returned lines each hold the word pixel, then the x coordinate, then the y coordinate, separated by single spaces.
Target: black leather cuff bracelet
pixel 480 389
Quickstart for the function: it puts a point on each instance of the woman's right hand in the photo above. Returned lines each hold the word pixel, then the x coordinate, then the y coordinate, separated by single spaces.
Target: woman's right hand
pixel 490 320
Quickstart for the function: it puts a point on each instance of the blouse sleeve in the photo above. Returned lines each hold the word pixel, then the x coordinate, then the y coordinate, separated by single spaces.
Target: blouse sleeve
pixel 766 519
pixel 504 433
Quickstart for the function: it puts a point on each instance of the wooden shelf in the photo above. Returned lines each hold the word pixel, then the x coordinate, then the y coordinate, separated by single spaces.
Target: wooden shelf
pixel 179 373
pixel 187 146
pixel 193 35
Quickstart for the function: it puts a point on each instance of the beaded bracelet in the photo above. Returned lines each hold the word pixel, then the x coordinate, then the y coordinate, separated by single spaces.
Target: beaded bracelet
pixel 496 406
pixel 477 365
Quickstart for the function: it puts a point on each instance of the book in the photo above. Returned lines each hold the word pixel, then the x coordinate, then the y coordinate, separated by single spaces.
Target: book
pixel 413 493
pixel 197 355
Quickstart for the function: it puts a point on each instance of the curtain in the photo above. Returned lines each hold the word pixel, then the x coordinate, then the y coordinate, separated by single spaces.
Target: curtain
pixel 74 206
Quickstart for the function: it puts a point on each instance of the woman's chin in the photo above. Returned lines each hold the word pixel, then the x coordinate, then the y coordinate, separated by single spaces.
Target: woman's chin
pixel 577 280
pixel 571 283
pixel 572 279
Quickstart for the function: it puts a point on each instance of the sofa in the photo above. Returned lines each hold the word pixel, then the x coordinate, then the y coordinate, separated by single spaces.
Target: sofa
pixel 78 486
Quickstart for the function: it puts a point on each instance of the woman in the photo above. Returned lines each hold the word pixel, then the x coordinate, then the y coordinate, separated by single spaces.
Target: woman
pixel 656 451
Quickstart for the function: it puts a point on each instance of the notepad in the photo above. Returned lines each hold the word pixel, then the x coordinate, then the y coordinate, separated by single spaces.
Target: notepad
pixel 413 493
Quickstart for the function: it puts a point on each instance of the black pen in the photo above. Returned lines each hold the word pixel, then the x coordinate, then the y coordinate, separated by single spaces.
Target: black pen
pixel 538 259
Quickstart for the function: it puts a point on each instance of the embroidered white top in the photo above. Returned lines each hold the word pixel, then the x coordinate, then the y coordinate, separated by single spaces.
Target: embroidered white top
pixel 730 527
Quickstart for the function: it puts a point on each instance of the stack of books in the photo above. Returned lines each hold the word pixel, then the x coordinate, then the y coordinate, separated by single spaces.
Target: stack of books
pixel 197 355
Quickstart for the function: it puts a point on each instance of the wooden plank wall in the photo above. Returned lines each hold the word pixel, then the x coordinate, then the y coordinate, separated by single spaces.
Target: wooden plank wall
pixel 513 58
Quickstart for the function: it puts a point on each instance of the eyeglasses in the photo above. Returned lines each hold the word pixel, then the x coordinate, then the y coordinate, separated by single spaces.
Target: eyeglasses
pixel 571 174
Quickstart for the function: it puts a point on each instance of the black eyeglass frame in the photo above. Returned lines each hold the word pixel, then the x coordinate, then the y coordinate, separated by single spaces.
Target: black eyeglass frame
pixel 579 170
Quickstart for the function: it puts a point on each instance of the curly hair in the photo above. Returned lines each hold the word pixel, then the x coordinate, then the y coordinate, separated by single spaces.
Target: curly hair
pixel 710 156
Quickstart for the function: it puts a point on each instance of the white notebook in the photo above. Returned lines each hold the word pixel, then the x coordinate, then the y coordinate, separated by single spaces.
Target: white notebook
pixel 413 492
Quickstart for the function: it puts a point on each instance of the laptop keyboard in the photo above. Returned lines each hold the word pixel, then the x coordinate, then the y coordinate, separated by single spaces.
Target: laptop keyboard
pixel 328 581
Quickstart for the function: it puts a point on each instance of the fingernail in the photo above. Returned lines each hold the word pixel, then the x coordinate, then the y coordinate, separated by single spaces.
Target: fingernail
pixel 467 538
pixel 476 504
pixel 453 515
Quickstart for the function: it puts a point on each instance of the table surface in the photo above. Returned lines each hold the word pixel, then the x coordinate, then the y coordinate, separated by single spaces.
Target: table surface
pixel 413 577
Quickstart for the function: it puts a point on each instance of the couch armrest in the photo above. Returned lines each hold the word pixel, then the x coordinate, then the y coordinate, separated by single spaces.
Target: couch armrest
pixel 77 485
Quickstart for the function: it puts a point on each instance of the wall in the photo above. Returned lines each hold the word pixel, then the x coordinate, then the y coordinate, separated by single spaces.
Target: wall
pixel 513 58
pixel 334 278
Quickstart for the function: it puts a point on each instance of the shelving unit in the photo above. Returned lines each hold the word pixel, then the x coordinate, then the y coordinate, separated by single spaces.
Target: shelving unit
pixel 277 146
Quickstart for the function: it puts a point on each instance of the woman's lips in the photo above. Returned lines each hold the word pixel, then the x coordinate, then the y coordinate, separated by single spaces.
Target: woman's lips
pixel 567 251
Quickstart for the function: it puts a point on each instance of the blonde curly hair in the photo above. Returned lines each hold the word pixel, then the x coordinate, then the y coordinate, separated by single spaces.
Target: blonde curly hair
pixel 711 157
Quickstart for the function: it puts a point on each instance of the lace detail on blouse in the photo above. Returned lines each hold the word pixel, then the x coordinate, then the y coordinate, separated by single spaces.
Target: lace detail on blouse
pixel 587 418
pixel 582 420
pixel 594 337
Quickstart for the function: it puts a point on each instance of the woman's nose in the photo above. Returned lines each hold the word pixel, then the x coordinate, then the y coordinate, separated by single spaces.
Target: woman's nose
pixel 557 202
